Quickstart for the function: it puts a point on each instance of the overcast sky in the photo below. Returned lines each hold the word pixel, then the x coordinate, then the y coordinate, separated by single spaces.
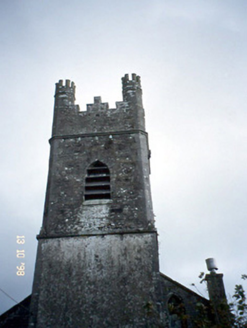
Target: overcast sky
pixel 191 56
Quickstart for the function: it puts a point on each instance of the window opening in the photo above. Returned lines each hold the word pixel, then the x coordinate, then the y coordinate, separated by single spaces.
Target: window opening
pixel 177 313
pixel 97 184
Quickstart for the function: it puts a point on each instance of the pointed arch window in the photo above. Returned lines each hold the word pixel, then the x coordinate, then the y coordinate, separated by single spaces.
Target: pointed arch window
pixel 97 184
pixel 177 313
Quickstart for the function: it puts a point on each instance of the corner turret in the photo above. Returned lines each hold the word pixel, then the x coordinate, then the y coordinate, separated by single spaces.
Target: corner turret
pixel 65 94
pixel 132 95
pixel 132 90
pixel 64 104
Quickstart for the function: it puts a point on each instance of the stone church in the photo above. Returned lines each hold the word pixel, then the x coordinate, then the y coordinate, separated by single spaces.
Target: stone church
pixel 97 261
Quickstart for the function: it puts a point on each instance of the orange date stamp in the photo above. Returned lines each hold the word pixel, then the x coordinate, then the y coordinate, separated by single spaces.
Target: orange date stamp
pixel 20 254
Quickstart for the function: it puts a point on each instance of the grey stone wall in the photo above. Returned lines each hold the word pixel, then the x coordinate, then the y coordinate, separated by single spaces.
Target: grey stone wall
pixel 98 281
pixel 97 262
pixel 192 302
pixel 130 207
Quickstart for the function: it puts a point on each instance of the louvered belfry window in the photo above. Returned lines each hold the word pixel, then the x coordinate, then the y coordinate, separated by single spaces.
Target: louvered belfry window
pixel 97 182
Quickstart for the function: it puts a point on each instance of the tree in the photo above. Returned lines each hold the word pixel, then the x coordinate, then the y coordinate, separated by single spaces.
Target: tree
pixel 237 309
pixel 238 306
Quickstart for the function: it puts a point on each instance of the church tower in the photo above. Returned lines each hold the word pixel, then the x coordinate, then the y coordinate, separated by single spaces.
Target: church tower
pixel 97 260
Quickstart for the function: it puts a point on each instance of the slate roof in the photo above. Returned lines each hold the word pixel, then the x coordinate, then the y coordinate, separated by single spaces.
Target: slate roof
pixel 17 316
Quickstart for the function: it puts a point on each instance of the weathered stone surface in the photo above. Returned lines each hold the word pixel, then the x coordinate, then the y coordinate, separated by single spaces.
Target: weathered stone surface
pixel 97 262
pixel 190 301
pixel 93 281
pixel 130 206
pixel 97 259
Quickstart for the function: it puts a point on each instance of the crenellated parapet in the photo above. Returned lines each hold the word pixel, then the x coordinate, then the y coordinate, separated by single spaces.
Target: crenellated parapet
pixel 127 115
pixel 97 105
pixel 65 93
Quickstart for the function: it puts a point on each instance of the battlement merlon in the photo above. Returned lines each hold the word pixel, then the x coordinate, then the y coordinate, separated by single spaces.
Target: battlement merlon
pixel 65 94
pixel 97 105
pixel 132 89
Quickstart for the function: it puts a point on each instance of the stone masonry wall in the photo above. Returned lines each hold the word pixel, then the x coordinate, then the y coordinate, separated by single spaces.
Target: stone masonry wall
pixel 130 204
pixel 97 261
pixel 98 281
